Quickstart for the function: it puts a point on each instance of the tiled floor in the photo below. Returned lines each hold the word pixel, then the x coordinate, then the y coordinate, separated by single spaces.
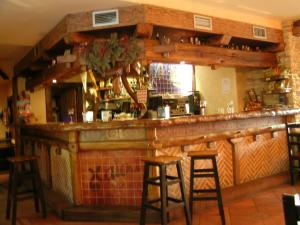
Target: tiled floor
pixel 263 208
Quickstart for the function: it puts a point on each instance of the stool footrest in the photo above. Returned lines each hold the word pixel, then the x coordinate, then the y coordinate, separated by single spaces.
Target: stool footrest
pixel 152 207
pixel 204 175
pixel 208 198
pixel 25 192
pixel 25 197
pixel 156 180
pixel 153 201
pixel 205 191
pixel 174 200
pixel 203 170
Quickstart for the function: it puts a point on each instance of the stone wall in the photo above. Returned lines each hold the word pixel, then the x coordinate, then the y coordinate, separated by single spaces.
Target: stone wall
pixel 291 59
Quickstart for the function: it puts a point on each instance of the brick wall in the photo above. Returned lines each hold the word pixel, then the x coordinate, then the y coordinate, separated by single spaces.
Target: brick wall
pixel 291 59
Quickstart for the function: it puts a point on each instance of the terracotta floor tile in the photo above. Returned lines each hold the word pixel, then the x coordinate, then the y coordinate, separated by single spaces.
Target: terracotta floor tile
pixel 263 208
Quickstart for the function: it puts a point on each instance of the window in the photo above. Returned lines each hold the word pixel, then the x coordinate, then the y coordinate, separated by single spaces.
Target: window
pixel 172 78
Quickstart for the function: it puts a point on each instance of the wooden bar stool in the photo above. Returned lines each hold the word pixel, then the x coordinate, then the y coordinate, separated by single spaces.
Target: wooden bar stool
pixel 163 181
pixel 22 169
pixel 205 173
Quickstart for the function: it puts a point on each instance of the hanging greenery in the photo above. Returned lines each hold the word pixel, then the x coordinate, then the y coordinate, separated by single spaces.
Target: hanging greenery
pixel 102 56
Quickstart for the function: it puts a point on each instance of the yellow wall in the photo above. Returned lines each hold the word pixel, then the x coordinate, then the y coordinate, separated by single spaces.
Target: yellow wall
pixel 38 105
pixel 218 87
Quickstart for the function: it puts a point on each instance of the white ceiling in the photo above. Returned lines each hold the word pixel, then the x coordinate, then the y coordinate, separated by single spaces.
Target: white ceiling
pixel 24 23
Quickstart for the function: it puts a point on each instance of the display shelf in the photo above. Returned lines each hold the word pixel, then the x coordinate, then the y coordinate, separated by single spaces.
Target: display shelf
pixel 285 91
pixel 275 78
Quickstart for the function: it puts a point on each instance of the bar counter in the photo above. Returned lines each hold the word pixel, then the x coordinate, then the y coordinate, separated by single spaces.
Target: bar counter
pixel 100 164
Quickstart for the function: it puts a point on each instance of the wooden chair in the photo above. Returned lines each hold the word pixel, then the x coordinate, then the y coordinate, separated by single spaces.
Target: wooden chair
pixel 22 169
pixel 291 209
pixel 162 181
pixel 293 141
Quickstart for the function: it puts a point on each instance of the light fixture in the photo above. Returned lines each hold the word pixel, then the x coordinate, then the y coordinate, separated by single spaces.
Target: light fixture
pixel 54 81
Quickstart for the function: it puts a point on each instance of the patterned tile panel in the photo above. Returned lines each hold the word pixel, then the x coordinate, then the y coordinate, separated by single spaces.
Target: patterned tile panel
pixel 42 151
pixel 111 177
pixel 61 172
pixel 263 157
pixel 224 161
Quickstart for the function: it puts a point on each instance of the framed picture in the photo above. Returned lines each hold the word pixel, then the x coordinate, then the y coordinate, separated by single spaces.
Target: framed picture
pixel 252 95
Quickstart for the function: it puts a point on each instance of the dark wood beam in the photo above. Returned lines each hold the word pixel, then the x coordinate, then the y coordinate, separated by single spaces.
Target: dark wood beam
pixel 274 48
pixel 77 38
pixel 59 71
pixel 208 55
pixel 219 40
pixel 296 28
pixel 144 30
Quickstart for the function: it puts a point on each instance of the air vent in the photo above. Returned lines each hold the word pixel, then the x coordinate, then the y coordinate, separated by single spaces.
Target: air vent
pixel 202 22
pixel 104 18
pixel 259 32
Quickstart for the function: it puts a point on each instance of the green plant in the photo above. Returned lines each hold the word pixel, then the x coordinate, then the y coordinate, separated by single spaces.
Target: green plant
pixel 102 56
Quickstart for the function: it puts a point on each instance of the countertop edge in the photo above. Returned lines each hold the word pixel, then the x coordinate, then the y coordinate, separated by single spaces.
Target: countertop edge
pixel 148 123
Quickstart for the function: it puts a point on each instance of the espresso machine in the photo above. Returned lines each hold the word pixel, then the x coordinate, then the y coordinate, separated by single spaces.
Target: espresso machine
pixel 194 102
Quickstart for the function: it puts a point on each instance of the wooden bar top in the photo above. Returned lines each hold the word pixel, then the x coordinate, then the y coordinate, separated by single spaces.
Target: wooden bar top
pixel 148 123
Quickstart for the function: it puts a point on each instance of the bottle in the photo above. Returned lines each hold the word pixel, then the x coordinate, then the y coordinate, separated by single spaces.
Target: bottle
pixel 187 107
pixel 167 112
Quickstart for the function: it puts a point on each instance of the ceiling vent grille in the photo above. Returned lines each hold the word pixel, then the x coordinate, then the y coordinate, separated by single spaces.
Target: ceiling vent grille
pixel 202 22
pixel 105 18
pixel 259 32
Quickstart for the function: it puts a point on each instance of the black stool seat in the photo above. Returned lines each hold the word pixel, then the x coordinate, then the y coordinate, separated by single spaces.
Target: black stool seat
pixel 22 169
pixel 163 181
pixel 205 173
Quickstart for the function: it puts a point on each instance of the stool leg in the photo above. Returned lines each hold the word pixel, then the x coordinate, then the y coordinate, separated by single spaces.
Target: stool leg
pixel 144 195
pixel 14 194
pixel 35 191
pixel 40 188
pixel 168 214
pixel 218 189
pixel 191 185
pixel 182 188
pixel 8 203
pixel 163 195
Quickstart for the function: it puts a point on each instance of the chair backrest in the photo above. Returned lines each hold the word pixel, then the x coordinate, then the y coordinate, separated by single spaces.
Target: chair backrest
pixel 291 208
pixel 293 136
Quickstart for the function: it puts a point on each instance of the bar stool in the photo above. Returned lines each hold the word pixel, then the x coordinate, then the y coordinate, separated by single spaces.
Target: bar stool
pixel 163 181
pixel 204 173
pixel 18 174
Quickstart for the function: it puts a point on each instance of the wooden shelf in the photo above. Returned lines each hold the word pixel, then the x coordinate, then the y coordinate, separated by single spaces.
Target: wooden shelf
pixel 275 78
pixel 286 91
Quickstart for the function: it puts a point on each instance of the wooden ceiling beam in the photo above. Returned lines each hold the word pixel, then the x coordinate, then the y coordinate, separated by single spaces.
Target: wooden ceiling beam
pixel 77 38
pixel 296 28
pixel 208 55
pixel 144 30
pixel 59 71
pixel 219 40
pixel 274 48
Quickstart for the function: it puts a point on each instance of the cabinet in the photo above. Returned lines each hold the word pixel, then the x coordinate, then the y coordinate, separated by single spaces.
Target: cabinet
pixel 276 91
